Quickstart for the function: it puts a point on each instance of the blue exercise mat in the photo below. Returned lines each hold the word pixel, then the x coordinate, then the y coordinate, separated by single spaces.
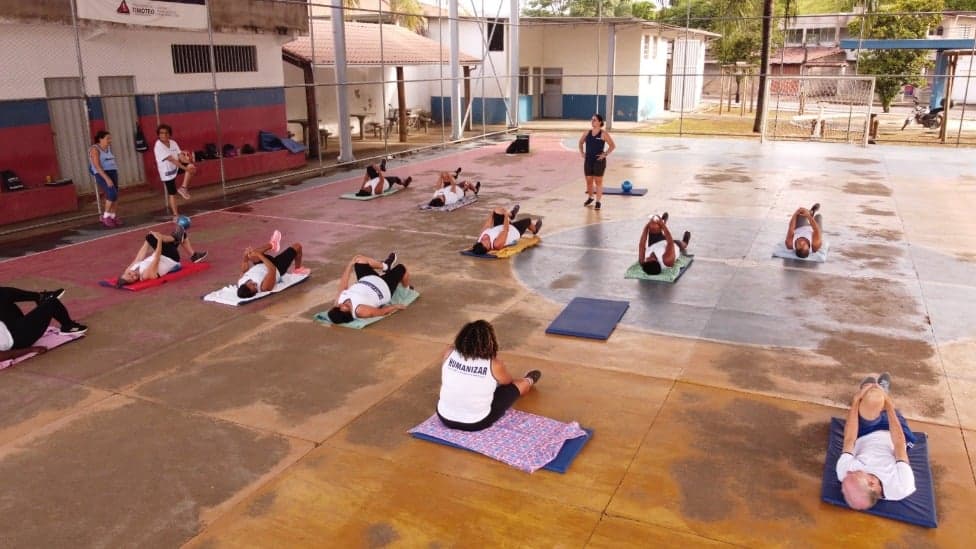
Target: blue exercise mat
pixel 588 317
pixel 618 191
pixel 918 508
pixel 560 464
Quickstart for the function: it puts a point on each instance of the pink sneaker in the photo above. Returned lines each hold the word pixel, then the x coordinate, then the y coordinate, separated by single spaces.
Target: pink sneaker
pixel 183 192
pixel 301 270
pixel 107 222
pixel 275 241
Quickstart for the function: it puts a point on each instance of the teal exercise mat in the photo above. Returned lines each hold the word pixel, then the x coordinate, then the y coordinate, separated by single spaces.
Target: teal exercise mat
pixel 388 192
pixel 669 275
pixel 402 296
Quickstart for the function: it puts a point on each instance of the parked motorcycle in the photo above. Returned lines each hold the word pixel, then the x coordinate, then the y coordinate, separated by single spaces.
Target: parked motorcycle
pixel 921 115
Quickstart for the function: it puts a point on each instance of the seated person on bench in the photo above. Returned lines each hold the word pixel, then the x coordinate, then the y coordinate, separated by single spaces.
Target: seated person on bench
pixel 260 272
pixel 375 180
pixel 874 464
pixel 370 294
pixel 19 331
pixel 449 191
pixel 159 255
pixel 805 233
pixel 657 249
pixel 476 388
pixel 499 231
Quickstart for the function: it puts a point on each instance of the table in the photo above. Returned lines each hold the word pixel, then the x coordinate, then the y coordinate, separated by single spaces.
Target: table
pixel 362 119
pixel 303 122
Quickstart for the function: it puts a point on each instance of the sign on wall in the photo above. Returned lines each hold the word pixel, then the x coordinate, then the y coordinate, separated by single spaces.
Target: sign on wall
pixel 180 14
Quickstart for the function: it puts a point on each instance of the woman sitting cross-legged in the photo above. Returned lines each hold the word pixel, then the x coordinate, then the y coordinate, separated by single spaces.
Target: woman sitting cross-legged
pixel 476 388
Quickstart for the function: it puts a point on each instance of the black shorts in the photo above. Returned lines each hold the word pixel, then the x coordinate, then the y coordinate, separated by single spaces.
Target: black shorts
pixel 170 249
pixel 391 277
pixel 594 168
pixel 283 260
pixel 505 397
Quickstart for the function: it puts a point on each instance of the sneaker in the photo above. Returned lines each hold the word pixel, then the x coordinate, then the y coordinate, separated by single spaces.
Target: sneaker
pixel 301 270
pixel 870 380
pixel 107 222
pixel 477 187
pixel 515 210
pixel 589 200
pixel 686 238
pixel 534 375
pixel 383 164
pixel 390 261
pixel 884 380
pixel 183 192
pixel 457 172
pixel 275 241
pixel 116 222
pixel 538 226
pixel 814 208
pixel 74 328
pixel 197 257
pixel 50 294
pixel 597 205
pixel 406 182
pixel 664 217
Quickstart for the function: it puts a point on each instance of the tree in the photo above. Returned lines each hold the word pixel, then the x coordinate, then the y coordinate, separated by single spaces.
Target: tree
pixel 408 14
pixel 960 5
pixel 894 68
pixel 645 10
pixel 577 8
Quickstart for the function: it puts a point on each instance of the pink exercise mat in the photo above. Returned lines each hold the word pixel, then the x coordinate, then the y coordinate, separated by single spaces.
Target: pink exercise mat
pixel 52 338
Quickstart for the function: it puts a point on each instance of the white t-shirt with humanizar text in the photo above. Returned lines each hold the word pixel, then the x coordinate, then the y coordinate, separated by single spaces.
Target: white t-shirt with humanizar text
pixel 167 169
pixel 369 290
pixel 496 231
pixel 165 265
pixel 874 453
pixel 257 274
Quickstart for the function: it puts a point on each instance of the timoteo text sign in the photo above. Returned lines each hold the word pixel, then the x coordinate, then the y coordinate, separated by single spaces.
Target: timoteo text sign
pixel 179 14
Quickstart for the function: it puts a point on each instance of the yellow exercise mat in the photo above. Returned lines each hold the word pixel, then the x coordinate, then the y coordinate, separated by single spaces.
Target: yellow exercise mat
pixel 524 243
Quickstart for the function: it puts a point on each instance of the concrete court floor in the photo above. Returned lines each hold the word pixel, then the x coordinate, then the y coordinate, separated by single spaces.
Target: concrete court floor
pixel 176 421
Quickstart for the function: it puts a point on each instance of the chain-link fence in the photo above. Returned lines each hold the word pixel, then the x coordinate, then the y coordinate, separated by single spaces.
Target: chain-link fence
pixel 266 89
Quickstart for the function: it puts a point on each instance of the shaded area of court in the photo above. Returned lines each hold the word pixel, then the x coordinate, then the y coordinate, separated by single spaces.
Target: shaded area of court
pixel 180 421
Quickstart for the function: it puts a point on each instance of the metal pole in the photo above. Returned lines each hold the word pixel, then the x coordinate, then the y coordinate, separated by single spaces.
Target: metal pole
pixel 611 52
pixel 342 102
pixel 515 70
pixel 387 116
pixel 312 95
pixel 216 100
pixel 456 122
pixel 84 92
pixel 965 94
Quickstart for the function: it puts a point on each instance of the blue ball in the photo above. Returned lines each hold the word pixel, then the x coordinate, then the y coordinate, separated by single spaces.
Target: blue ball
pixel 626 186
pixel 184 222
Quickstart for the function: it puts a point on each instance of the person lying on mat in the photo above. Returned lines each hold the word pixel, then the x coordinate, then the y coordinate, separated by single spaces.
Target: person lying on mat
pixel 657 249
pixel 499 231
pixel 874 465
pixel 375 180
pixel 19 332
pixel 159 255
pixel 370 294
pixel 449 191
pixel 805 233
pixel 476 388
pixel 260 271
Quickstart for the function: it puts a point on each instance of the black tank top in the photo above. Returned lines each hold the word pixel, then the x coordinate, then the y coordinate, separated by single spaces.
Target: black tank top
pixel 594 145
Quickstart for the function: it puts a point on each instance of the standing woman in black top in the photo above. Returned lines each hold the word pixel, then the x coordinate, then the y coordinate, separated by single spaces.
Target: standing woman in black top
pixel 591 147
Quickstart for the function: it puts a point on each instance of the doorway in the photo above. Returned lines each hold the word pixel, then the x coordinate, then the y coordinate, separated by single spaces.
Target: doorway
pixel 552 93
pixel 69 123
pixel 119 107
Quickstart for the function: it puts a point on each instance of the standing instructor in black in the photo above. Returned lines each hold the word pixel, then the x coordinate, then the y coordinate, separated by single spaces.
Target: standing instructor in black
pixel 593 149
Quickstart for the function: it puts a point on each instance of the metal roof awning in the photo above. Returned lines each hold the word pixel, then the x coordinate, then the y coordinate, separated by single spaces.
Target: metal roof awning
pixel 908 44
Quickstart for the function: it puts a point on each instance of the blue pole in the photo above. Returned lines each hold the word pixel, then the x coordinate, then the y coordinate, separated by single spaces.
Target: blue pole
pixel 939 83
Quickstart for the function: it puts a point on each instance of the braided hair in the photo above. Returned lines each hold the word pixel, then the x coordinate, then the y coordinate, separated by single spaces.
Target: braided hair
pixel 477 340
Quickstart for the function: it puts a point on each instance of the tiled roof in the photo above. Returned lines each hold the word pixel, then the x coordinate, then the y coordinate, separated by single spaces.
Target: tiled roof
pixel 794 56
pixel 400 46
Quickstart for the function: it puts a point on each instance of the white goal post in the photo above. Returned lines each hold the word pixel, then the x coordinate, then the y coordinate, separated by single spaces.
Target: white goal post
pixel 829 108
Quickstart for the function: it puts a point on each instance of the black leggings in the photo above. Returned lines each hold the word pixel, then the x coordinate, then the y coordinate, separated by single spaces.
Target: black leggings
pixel 505 396
pixel 521 225
pixel 391 277
pixel 27 329
pixel 170 249
pixel 283 260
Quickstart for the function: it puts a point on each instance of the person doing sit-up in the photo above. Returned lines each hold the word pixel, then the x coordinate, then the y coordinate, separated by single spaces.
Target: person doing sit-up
pixel 159 255
pixel 874 465
pixel 370 294
pixel 449 191
pixel 806 231
pixel 260 272
pixel 19 331
pixel 499 231
pixel 375 180
pixel 657 249
pixel 476 388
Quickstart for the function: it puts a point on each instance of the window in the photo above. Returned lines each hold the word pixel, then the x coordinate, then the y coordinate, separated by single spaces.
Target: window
pixel 654 50
pixel 646 47
pixel 794 36
pixel 824 36
pixel 496 36
pixel 195 58
pixel 524 81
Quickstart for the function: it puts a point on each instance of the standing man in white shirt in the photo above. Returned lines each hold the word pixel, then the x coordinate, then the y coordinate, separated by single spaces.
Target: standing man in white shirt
pixel 806 231
pixel 171 162
pixel 874 465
